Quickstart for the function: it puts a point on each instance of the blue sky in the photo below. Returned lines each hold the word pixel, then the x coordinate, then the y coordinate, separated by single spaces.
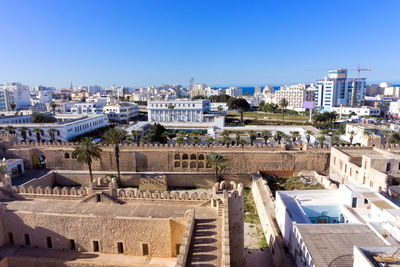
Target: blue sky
pixel 145 42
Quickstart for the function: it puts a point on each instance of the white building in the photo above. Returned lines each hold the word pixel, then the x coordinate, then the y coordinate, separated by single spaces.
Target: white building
pixel 321 227
pixel 184 112
pixel 296 95
pixel 86 108
pixel 66 127
pixel 337 89
pixel 13 119
pixel 14 92
pixel 269 94
pixel 122 112
pixel 198 89
pixel 234 91
pixel 219 106
pixel 361 111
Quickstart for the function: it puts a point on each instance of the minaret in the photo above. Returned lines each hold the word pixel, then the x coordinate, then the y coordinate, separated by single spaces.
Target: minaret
pixel 70 87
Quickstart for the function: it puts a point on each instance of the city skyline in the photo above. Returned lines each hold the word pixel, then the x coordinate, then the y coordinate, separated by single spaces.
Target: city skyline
pixel 139 44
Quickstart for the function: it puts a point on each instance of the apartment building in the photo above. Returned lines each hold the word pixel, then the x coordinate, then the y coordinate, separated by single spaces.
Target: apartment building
pixel 121 112
pixel 198 89
pixel 296 95
pixel 14 93
pixel 234 91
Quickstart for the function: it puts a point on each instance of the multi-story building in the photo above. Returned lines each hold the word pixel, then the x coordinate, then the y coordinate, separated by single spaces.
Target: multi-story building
pixel 198 89
pixel 337 89
pixel 361 111
pixel 257 90
pixel 62 107
pixel 86 108
pixel 121 112
pixel 14 92
pixel 234 91
pixel 66 127
pixel 178 110
pixel 295 95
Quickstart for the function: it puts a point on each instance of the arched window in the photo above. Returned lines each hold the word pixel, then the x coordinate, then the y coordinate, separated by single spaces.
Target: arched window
pixel 66 155
pixel 176 156
pixel 200 165
pixel 193 157
pixel 201 157
pixel 177 164
pixel 184 164
pixel 185 156
pixel 193 164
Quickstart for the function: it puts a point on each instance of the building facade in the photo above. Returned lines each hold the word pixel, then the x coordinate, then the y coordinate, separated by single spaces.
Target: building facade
pixel 14 92
pixel 296 95
pixel 121 112
pixel 178 110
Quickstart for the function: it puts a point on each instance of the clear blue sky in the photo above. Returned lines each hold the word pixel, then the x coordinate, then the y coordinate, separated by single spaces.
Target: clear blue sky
pixel 145 42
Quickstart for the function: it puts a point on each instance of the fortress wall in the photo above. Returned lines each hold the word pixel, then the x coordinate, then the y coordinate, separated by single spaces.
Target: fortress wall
pixel 179 159
pixel 236 227
pixel 46 180
pixel 181 258
pixel 107 230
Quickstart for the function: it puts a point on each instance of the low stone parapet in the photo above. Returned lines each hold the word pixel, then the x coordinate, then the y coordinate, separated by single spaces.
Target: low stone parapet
pixel 181 258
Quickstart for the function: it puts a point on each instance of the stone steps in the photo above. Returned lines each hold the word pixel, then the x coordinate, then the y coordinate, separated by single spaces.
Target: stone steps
pixel 205 246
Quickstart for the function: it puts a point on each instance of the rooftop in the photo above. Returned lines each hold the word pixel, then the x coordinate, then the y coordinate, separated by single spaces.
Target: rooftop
pixel 329 243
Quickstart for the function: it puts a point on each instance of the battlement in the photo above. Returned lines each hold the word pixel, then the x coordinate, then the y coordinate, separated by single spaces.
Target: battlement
pixel 199 147
pixel 126 194
pixel 55 192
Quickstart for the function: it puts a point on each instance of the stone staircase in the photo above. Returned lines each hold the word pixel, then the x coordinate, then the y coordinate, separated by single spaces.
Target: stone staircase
pixel 205 246
pixel 220 207
pixel 101 197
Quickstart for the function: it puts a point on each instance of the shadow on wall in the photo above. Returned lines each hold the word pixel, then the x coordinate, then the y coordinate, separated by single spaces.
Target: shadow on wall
pixel 30 242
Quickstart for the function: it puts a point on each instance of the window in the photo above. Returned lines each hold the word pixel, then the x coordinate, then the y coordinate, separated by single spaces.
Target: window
pixel 145 249
pixel 388 167
pixel 10 238
pixel 120 246
pixel 72 244
pixel 49 244
pixel 365 201
pixel 95 246
pixel 27 240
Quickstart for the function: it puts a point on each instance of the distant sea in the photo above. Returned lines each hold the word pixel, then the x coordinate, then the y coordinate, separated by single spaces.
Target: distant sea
pixel 249 90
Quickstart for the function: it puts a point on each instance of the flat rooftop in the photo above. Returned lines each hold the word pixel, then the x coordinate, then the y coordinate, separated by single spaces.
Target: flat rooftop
pixel 330 243
pixel 76 207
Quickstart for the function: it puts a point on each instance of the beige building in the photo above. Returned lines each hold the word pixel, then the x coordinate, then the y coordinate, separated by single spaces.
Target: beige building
pixel 295 95
pixel 198 89
pixel 378 168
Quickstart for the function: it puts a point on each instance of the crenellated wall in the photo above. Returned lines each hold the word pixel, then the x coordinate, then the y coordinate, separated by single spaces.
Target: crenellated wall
pixel 168 158
pixel 181 258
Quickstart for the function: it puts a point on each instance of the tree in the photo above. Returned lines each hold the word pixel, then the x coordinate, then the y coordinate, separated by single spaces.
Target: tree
pixel 3 170
pixel 37 131
pixel 157 133
pixel 52 133
pixel 12 105
pixel 136 135
pixel 352 133
pixel 23 131
pixel 85 152
pixel 335 139
pixel 394 138
pixel 253 136
pixel 295 135
pixel 226 140
pixel 115 136
pixel 283 104
pixel 238 103
pixel 210 140
pixel 237 136
pixel 308 136
pixel 241 112
pixel 10 129
pixel 321 140
pixel 181 139
pixel 53 106
pixel 266 136
pixel 194 136
pixel 217 160
pixel 242 142
pixel 278 136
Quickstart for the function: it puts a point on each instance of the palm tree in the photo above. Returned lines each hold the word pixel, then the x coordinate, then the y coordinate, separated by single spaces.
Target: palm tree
pixel 180 139
pixel 237 136
pixel 115 136
pixel 12 105
pixel 352 133
pixel 335 139
pixel 52 132
pixel 10 129
pixel 85 152
pixel 226 140
pixel 308 136
pixel 217 160
pixel 283 103
pixel 136 135
pixel 278 136
pixel 53 106
pixel 321 140
pixel 266 135
pixel 210 140
pixel 23 131
pixel 295 135
pixel 242 142
pixel 253 136
pixel 241 112
pixel 3 170
pixel 37 131
pixel 194 136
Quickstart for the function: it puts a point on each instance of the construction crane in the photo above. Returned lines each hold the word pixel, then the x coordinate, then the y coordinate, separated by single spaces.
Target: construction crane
pixel 353 90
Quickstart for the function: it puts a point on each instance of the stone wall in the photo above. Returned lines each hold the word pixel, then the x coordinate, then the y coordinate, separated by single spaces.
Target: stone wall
pixel 107 230
pixel 263 197
pixel 46 180
pixel 186 239
pixel 154 158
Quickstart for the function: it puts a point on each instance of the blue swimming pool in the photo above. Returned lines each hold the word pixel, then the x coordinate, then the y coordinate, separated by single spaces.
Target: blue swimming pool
pixel 324 214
